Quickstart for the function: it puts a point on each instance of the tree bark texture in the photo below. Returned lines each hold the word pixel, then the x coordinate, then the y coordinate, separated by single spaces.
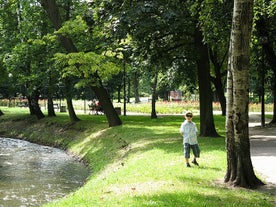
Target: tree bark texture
pixel 239 166
pixel 207 126
pixel 50 106
pixel 68 85
pixel 109 110
pixel 217 80
pixel 34 105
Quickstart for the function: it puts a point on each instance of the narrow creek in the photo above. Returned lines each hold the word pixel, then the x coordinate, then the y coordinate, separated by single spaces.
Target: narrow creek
pixel 31 174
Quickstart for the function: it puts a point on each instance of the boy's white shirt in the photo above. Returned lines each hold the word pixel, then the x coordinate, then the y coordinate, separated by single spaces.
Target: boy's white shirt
pixel 189 131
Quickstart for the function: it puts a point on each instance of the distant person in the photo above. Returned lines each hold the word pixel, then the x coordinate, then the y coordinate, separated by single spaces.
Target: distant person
pixel 188 130
pixel 93 102
pixel 99 107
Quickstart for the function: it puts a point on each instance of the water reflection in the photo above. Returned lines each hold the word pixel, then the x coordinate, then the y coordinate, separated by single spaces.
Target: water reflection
pixel 31 174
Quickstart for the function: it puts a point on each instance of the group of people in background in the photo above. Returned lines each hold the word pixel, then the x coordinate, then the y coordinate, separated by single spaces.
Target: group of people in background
pixel 95 107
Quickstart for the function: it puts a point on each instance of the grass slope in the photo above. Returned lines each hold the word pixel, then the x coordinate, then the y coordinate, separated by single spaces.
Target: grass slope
pixel 137 164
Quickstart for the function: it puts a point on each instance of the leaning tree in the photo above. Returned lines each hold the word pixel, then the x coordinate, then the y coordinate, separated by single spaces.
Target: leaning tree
pixel 239 166
pixel 52 8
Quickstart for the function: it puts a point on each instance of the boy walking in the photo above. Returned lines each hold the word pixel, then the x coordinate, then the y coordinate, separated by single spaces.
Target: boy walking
pixel 188 130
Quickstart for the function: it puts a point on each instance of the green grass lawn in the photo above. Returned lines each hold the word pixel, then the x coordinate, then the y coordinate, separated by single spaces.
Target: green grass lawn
pixel 137 164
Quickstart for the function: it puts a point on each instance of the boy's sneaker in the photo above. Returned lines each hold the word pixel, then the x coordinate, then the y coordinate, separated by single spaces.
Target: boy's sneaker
pixel 188 165
pixel 195 162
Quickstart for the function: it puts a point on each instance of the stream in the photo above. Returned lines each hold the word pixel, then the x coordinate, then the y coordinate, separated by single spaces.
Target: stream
pixel 32 174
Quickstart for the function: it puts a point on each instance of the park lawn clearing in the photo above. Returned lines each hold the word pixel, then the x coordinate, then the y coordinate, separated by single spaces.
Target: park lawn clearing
pixel 139 163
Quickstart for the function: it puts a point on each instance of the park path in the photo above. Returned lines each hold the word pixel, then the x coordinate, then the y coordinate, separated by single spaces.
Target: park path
pixel 263 149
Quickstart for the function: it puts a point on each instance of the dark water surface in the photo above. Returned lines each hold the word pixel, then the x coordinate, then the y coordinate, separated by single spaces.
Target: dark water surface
pixel 31 174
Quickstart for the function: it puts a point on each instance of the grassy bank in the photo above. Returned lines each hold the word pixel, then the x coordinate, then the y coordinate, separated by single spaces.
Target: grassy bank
pixel 137 164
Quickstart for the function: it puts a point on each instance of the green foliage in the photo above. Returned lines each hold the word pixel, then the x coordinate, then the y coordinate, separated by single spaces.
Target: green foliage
pixel 25 63
pixel 73 27
pixel 146 35
pixel 263 37
pixel 214 17
pixel 84 65
pixel 162 37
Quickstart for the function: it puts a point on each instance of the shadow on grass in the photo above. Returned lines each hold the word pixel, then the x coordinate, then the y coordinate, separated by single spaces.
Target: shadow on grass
pixel 201 194
pixel 193 199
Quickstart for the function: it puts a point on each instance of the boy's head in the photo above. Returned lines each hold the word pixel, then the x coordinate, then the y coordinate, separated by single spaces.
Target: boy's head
pixel 188 114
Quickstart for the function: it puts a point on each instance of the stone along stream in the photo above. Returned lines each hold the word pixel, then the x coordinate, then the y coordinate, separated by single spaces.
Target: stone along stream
pixel 31 174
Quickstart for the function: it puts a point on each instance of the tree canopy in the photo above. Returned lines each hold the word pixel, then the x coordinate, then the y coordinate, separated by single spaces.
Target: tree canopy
pixel 44 44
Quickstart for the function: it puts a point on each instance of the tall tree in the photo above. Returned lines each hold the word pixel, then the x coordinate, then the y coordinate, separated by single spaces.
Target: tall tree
pixel 207 126
pixel 51 8
pixel 239 166
pixel 23 53
pixel 215 24
pixel 265 32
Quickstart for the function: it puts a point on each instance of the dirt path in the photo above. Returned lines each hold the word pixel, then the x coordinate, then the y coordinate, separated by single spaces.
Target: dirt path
pixel 263 149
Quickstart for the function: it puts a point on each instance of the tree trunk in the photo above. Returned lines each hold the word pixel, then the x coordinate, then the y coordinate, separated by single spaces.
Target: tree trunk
pixel 270 55
pixel 34 105
pixel 68 95
pixel 154 96
pixel 207 126
pixel 128 90
pixel 50 104
pixel 109 110
pixel 220 92
pixel 217 80
pixel 31 108
pixel 136 87
pixel 72 114
pixel 239 166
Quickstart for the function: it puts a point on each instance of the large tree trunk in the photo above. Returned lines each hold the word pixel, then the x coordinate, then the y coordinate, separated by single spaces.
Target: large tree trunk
pixel 34 105
pixel 239 166
pixel 207 126
pixel 104 99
